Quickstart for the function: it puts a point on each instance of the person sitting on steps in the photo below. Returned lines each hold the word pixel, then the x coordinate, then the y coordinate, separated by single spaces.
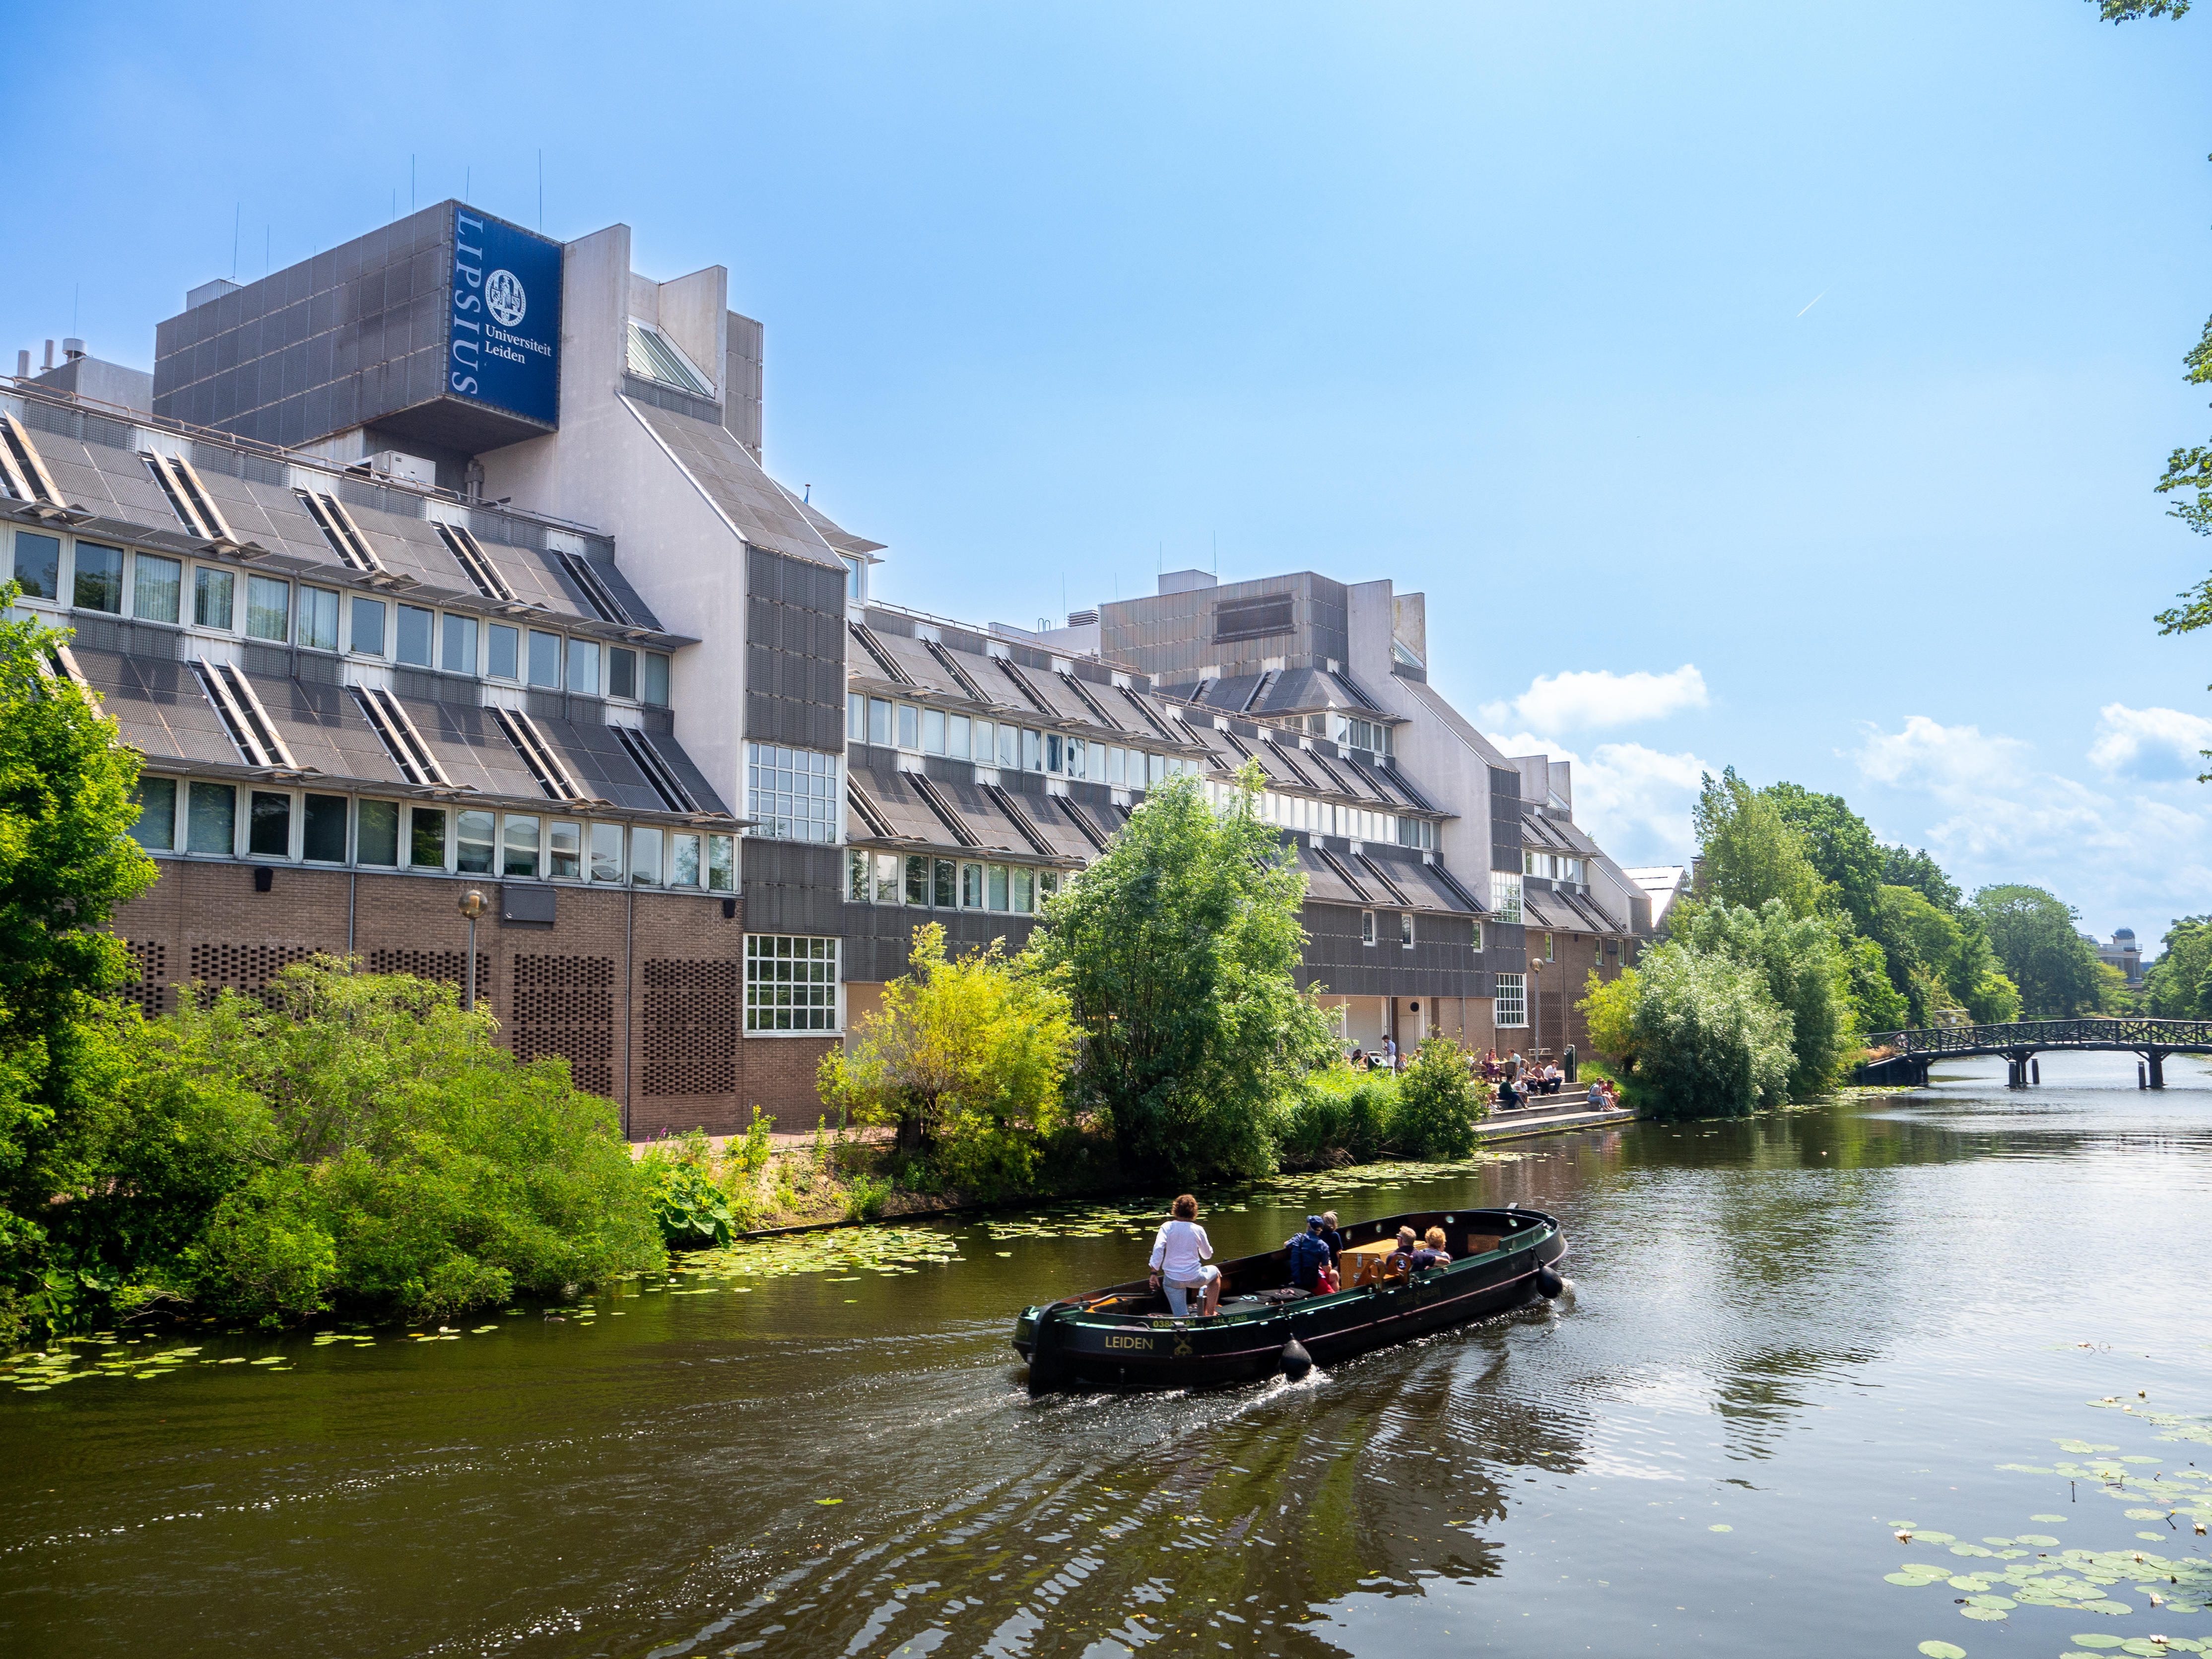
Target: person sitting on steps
pixel 1179 1263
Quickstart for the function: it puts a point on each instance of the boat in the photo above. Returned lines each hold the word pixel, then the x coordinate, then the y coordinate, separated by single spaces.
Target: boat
pixel 1126 1338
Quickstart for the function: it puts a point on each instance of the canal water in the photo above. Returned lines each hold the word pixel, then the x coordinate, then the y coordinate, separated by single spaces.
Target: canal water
pixel 1974 1315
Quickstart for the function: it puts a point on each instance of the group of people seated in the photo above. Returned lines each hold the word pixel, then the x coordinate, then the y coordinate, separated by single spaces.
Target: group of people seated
pixel 1180 1249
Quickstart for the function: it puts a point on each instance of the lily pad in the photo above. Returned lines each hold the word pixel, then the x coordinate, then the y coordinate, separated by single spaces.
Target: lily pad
pixel 2097 1641
pixel 2110 1608
pixel 2037 1538
pixel 2047 1519
pixel 1987 1615
pixel 1722 1528
pixel 1917 1579
pixel 1943 1650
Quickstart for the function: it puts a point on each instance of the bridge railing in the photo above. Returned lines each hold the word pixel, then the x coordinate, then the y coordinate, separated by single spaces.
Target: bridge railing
pixel 2123 1032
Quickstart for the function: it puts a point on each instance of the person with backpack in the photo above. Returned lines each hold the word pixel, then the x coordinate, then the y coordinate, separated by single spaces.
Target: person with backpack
pixel 1307 1254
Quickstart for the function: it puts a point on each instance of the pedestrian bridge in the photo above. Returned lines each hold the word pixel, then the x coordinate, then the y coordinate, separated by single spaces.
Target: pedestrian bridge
pixel 2020 1041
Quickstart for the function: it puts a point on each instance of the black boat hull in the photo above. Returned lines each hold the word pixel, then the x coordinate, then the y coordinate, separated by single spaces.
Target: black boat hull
pixel 1085 1343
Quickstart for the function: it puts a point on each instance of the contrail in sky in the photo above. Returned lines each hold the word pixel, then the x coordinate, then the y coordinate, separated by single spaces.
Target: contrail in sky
pixel 1816 299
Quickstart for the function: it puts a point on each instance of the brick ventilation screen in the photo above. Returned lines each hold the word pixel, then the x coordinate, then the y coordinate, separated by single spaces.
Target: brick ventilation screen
pixel 150 991
pixel 248 968
pixel 690 1034
pixel 565 1005
pixel 450 966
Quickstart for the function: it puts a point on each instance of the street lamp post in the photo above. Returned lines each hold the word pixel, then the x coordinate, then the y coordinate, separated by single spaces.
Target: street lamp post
pixel 472 906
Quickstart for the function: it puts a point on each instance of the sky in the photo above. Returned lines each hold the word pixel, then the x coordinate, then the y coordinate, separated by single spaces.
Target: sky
pixel 1779 387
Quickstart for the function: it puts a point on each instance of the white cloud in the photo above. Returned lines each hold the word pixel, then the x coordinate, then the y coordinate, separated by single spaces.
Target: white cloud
pixel 1600 698
pixel 1943 759
pixel 1633 800
pixel 2159 744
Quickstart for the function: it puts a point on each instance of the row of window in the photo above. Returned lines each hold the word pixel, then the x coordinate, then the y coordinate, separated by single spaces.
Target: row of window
pixel 1323 818
pixel 1347 733
pixel 1552 867
pixel 154 587
pixel 230 821
pixel 1010 748
pixel 947 883
pixel 1404 929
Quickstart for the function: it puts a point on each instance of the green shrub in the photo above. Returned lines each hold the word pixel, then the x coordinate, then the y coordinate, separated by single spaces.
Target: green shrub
pixel 1338 1115
pixel 1438 1105
pixel 1709 1039
pixel 694 1211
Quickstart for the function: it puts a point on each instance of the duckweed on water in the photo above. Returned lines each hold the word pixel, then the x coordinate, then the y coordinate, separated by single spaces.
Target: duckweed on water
pixel 840 1249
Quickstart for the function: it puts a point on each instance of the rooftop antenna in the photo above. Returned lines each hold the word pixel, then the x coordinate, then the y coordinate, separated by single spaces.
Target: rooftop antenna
pixel 809 495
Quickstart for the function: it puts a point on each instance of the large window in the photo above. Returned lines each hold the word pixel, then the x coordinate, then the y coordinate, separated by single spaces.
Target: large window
pixel 156 827
pixel 1505 896
pixel 157 588
pixel 318 618
pixel 268 609
pixel 214 600
pixel 39 565
pixel 1512 1007
pixel 793 792
pixel 791 984
pixel 98 583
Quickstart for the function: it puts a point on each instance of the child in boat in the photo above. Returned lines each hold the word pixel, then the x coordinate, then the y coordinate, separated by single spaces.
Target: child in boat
pixel 1329 1282
pixel 1179 1252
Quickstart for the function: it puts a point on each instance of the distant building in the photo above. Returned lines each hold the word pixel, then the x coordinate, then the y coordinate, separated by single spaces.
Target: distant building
pixel 1663 884
pixel 2122 953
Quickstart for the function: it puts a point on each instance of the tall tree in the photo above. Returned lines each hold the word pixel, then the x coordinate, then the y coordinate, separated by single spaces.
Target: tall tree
pixel 2178 985
pixel 1178 949
pixel 1838 843
pixel 1805 975
pixel 1902 867
pixel 2036 938
pixel 1747 851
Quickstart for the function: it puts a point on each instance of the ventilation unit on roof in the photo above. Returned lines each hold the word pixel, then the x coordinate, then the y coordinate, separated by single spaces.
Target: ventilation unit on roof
pixel 537 754
pixel 242 715
pixel 195 508
pixel 339 530
pixel 658 772
pixel 597 593
pixel 401 740
pixel 407 469
pixel 475 564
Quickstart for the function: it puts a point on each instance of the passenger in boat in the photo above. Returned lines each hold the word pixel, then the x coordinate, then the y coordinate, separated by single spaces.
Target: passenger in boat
pixel 1400 1263
pixel 1330 1284
pixel 1431 1253
pixel 1330 1235
pixel 1306 1255
pixel 1179 1263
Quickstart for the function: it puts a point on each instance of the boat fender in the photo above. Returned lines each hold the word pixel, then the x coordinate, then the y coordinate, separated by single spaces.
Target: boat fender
pixel 1297 1362
pixel 1549 1284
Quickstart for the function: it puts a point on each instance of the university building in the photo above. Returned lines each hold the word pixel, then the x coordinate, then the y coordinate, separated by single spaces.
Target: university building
pixel 445 563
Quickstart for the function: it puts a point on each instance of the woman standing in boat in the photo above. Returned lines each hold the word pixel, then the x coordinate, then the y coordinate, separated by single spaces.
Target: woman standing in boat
pixel 1179 1254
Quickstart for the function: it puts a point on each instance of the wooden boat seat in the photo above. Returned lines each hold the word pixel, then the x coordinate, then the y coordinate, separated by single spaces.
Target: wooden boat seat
pixel 1362 1264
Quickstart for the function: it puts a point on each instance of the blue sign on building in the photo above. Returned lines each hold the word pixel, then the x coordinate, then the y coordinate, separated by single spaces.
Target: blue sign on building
pixel 504 334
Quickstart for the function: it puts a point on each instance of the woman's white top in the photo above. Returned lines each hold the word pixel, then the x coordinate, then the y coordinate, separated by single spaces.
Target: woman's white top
pixel 1180 1250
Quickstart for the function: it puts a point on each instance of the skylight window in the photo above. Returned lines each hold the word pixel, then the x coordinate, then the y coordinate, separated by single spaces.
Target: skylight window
pixel 23 474
pixel 537 754
pixel 597 593
pixel 658 772
pixel 196 509
pixel 402 741
pixel 651 357
pixel 243 715
pixel 468 552
pixel 340 530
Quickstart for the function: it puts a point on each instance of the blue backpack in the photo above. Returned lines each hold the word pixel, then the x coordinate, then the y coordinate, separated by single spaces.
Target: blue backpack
pixel 1308 1254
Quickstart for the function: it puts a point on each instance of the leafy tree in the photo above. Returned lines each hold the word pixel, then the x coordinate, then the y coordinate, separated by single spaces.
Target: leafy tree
pixel 1797 959
pixel 1901 867
pixel 1876 1005
pixel 968 1056
pixel 66 861
pixel 1704 1038
pixel 1842 849
pixel 1177 948
pixel 2178 985
pixel 1748 852
pixel 1437 1105
pixel 2036 938
pixel 1337 1115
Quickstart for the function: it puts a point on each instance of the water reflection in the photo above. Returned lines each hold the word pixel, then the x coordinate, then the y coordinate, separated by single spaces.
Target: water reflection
pixel 1796 1329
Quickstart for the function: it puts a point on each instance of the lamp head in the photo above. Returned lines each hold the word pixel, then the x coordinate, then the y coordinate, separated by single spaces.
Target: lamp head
pixel 473 904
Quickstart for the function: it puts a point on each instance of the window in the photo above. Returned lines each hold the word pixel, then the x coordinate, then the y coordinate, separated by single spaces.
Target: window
pixel 544 658
pixel 1010 748
pixel 986 738
pixel 682 860
pixel 1117 762
pixel 460 655
pixel 157 588
pixel 98 583
pixel 268 609
pixel 584 667
pixel 879 722
pixel 322 834
pixel 622 671
pixel 1505 894
pixel 856 717
pixel 909 730
pixel 319 618
pixel 376 832
pixel 412 647
pixel 856 876
pixel 721 864
pixel 945 885
pixel 956 736
pixel 1512 1004
pixel 656 680
pixel 793 792
pixel 1406 929
pixel 1054 755
pixel 1079 758
pixel 367 636
pixel 1597 948
pixel 652 356
pixel 852 568
pixel 39 565
pixel 1478 935
pixel 214 600
pixel 1048 885
pixel 883 884
pixel 1367 928
pixel 645 857
pixel 426 838
pixel 473 843
pixel 211 819
pixel 917 878
pixel 1032 750
pixel 1024 890
pixel 606 852
pixel 519 849
pixel 971 886
pixel 502 642
pixel 994 883
pixel 932 731
pixel 564 850
pixel 1549 955
pixel 1417 832
pixel 791 984
pixel 156 828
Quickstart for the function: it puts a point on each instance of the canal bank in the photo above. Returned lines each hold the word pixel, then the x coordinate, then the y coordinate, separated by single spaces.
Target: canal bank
pixel 1785 1340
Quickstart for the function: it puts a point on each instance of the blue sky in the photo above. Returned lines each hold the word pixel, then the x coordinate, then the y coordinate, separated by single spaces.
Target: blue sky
pixel 1778 386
